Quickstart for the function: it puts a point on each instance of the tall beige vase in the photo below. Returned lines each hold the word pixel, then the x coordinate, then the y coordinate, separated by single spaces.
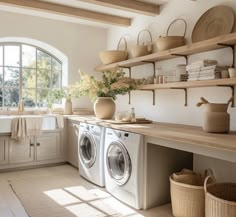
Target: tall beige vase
pixel 104 107
pixel 68 107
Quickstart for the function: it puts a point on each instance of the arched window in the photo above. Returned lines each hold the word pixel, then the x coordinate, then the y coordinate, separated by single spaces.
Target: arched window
pixel 27 72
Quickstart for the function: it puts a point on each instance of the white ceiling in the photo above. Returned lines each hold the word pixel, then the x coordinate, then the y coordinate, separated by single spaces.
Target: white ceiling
pixel 79 4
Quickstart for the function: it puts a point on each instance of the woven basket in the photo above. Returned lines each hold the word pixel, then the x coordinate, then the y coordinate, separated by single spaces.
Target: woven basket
pixel 145 48
pixel 220 199
pixel 114 56
pixel 169 42
pixel 187 194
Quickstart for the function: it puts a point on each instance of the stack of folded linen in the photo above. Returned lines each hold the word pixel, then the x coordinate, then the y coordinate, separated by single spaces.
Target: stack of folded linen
pixel 176 78
pixel 204 70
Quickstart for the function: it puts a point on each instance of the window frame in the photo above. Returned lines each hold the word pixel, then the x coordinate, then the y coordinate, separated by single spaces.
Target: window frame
pixel 21 68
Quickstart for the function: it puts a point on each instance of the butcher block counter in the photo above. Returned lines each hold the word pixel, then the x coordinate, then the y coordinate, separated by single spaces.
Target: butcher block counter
pixel 183 137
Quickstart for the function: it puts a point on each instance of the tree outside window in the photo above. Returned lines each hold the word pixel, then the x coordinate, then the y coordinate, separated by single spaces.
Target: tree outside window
pixel 28 72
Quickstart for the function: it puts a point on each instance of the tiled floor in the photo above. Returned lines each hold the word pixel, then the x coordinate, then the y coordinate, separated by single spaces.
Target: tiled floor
pixel 60 192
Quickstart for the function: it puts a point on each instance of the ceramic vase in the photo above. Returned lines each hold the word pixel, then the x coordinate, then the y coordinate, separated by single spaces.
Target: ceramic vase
pixel 104 107
pixel 68 107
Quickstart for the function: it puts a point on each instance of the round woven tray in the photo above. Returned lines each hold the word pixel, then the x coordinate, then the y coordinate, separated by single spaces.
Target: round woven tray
pixel 216 21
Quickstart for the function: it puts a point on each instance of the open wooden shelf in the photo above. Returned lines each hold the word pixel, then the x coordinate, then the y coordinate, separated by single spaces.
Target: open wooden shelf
pixel 191 84
pixel 203 46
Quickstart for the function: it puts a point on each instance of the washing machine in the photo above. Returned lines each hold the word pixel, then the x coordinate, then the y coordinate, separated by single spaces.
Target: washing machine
pixel 123 162
pixel 91 153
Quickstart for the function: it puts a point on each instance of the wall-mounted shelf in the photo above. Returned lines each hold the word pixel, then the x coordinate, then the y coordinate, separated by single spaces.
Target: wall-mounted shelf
pixel 227 82
pixel 203 46
pixel 184 51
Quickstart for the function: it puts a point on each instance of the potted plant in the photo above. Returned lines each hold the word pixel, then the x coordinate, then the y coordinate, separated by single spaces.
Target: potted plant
pixel 105 90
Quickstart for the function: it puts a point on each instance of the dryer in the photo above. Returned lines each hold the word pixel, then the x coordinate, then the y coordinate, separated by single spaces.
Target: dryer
pixel 124 166
pixel 91 153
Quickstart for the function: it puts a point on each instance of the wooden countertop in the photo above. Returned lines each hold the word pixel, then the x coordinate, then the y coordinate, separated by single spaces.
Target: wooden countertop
pixel 173 132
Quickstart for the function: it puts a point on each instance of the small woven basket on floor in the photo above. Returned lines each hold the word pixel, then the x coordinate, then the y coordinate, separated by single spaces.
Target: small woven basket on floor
pixel 220 199
pixel 187 194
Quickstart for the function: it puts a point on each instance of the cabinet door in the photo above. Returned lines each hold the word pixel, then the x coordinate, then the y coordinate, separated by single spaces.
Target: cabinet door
pixel 3 150
pixel 21 151
pixel 48 146
pixel 72 135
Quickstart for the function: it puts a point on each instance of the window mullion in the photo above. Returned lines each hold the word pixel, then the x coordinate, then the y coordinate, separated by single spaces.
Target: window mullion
pixel 3 76
pixel 20 76
pixel 36 77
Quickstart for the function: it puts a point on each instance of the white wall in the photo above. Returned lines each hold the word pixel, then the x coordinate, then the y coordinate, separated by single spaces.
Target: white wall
pixel 79 43
pixel 170 103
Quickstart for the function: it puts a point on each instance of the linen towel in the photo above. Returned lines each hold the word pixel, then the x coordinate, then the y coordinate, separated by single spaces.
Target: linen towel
pixel 18 128
pixel 33 126
pixel 60 121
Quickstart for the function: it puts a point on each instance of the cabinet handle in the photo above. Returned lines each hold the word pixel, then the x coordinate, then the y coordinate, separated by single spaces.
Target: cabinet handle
pixel 38 144
pixel 4 150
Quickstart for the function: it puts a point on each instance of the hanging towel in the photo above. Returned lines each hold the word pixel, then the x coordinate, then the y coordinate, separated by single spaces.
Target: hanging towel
pixel 33 126
pixel 60 121
pixel 18 128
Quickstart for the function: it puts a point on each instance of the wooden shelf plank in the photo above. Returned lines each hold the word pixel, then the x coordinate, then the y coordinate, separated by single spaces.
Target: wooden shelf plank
pixel 191 84
pixel 203 46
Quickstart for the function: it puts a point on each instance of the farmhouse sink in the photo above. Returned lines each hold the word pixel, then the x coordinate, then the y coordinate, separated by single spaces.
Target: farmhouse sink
pixel 49 122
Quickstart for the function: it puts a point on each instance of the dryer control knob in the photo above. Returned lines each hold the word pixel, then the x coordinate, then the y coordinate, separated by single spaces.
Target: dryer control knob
pixel 87 127
pixel 119 135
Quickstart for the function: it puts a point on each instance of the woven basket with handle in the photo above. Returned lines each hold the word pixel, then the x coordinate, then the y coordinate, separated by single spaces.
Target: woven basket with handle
pixel 220 199
pixel 142 49
pixel 114 56
pixel 187 194
pixel 168 42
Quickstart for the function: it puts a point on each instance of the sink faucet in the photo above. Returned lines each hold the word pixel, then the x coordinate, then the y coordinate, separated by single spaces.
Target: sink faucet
pixel 20 106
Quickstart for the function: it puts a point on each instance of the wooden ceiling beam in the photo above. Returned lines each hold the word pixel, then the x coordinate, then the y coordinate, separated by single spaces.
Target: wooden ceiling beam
pixel 69 11
pixel 135 6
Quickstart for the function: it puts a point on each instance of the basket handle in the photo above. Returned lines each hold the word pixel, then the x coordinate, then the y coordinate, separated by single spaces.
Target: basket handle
pixel 145 30
pixel 122 38
pixel 167 33
pixel 208 175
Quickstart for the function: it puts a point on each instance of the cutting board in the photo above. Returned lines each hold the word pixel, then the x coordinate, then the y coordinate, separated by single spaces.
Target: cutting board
pixel 141 121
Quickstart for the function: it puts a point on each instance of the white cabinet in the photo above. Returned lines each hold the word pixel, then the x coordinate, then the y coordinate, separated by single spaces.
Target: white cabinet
pixel 21 151
pixel 45 147
pixel 3 150
pixel 48 146
pixel 72 142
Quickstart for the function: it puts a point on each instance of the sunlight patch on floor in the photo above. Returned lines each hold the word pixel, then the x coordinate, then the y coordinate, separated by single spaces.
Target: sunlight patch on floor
pixel 111 206
pixel 87 195
pixel 62 197
pixel 83 202
pixel 84 210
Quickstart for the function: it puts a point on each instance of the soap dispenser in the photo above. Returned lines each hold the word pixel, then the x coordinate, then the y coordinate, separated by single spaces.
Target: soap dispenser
pixel 132 115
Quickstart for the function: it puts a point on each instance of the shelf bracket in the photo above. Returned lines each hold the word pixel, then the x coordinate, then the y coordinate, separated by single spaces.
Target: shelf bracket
pixel 181 55
pixel 153 96
pixel 233 50
pixel 154 66
pixel 185 94
pixel 232 87
pixel 130 75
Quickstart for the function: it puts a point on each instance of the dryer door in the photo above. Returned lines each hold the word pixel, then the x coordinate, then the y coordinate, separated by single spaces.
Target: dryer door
pixel 118 163
pixel 87 149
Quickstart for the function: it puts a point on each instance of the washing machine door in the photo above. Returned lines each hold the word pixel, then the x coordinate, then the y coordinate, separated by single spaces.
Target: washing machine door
pixel 87 149
pixel 118 163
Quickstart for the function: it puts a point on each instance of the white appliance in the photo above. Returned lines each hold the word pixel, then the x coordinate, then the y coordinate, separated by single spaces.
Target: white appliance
pixel 91 152
pixel 124 166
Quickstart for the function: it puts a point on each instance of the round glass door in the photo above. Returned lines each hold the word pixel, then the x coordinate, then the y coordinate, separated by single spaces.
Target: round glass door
pixel 118 163
pixel 87 150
